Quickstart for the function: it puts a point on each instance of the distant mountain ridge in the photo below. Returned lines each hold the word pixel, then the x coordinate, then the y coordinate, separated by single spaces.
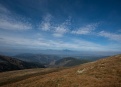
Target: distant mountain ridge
pixel 44 59
pixel 52 60
pixel 8 63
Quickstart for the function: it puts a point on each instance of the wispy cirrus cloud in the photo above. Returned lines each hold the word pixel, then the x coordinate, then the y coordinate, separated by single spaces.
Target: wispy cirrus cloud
pixel 9 22
pixel 45 24
pixel 111 36
pixel 58 30
pixel 85 30
pixel 14 25
pixel 62 28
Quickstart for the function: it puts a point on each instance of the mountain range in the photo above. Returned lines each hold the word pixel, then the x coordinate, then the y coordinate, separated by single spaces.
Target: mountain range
pixel 52 60
pixel 37 58
pixel 27 60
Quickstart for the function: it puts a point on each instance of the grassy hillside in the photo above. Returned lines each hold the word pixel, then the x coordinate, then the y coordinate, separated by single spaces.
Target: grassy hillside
pixel 102 73
pixel 69 61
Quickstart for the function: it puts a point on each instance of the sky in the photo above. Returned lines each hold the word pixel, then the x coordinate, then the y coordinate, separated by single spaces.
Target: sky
pixel 82 25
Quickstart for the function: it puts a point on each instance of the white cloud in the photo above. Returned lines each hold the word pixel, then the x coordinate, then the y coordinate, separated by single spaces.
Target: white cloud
pixel 111 36
pixel 85 30
pixel 61 29
pixel 22 42
pixel 57 35
pixel 14 25
pixel 9 22
pixel 45 24
pixel 57 30
pixel 44 43
pixel 87 45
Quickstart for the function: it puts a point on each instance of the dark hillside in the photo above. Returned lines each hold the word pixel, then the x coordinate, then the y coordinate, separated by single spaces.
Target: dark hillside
pixel 9 63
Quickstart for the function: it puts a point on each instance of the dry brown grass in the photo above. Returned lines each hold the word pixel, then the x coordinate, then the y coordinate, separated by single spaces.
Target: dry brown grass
pixel 102 73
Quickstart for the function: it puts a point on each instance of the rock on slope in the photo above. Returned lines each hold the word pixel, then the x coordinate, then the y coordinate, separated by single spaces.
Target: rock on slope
pixel 102 73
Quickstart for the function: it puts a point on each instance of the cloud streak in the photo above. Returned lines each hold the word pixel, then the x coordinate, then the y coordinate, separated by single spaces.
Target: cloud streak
pixel 8 22
pixel 43 43
pixel 45 24
pixel 62 29
pixel 85 30
pixel 111 36
pixel 14 25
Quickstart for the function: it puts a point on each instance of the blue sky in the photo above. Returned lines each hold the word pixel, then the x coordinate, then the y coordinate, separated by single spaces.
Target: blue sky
pixel 83 25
